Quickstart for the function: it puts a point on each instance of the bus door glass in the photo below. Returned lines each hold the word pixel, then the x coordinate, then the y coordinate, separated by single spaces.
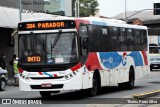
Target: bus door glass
pixel 83 34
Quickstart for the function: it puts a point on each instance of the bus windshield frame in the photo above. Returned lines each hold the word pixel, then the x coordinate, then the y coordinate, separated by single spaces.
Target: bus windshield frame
pixel 48 49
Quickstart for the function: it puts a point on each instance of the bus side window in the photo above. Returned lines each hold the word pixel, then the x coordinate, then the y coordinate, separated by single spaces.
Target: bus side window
pixel 137 40
pixel 122 39
pixel 144 39
pixel 130 43
pixel 83 32
pixel 114 38
pixel 105 40
pixel 94 38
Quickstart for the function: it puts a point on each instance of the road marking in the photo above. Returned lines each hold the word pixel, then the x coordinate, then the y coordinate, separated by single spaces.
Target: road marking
pixel 146 94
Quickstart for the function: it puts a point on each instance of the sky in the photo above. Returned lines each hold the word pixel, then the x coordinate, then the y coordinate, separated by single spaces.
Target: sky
pixel 110 8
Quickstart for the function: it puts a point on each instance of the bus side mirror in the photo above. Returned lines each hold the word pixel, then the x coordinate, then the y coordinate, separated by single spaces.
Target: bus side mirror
pixel 85 43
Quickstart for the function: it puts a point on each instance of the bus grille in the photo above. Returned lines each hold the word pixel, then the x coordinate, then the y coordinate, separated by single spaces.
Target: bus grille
pixel 52 87
pixel 37 78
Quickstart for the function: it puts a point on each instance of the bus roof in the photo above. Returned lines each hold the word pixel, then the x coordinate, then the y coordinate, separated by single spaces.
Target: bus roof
pixel 92 20
pixel 112 22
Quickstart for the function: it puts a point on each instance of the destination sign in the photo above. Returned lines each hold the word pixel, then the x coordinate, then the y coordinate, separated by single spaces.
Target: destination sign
pixel 34 59
pixel 46 25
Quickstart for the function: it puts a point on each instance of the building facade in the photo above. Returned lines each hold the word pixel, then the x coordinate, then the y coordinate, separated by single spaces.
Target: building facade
pixel 59 7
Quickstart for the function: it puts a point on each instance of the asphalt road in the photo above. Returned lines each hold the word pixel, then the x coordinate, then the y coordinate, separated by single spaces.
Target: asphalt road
pixel 79 99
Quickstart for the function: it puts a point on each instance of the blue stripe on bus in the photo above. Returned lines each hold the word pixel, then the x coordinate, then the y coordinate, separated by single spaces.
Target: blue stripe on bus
pixel 138 60
pixel 47 74
pixel 112 60
pixel 99 23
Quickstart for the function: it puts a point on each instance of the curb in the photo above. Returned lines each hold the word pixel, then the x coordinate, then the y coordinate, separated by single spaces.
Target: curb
pixel 146 94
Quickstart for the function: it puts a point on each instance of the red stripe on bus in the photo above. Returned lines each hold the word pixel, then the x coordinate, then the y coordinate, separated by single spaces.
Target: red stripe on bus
pixel 40 73
pixel 76 67
pixel 78 21
pixel 55 75
pixel 145 57
pixel 20 70
pixel 92 62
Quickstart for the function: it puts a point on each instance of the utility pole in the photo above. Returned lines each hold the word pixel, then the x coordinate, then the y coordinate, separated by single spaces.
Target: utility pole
pixel 20 8
pixel 75 5
pixel 126 19
pixel 76 8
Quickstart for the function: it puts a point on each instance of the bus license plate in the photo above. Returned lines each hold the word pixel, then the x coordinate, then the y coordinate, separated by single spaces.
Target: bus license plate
pixel 46 85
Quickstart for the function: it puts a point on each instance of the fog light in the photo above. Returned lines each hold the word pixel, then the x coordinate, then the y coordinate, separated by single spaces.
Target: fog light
pixel 74 73
pixel 66 77
pixel 20 74
pixel 27 78
pixel 23 77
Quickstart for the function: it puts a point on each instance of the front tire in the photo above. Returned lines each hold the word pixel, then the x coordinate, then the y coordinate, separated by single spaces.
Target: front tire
pixel 94 90
pixel 45 94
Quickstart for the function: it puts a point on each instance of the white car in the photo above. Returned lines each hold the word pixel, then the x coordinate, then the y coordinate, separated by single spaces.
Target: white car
pixel 154 61
pixel 3 79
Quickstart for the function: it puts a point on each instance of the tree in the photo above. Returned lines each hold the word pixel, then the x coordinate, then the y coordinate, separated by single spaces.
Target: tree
pixel 87 7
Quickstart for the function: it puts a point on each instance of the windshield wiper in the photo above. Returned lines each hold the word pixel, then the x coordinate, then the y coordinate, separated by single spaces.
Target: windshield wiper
pixel 55 41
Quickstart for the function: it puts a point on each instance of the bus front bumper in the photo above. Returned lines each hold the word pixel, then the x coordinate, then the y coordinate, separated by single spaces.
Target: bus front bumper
pixel 51 85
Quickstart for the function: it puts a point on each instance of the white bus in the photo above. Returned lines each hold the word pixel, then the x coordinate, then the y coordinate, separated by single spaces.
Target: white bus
pixel 65 54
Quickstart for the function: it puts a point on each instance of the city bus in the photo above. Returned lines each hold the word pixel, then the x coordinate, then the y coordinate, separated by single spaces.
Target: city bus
pixel 71 54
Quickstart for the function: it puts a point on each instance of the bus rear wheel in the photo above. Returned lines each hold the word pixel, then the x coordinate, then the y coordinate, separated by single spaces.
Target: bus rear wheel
pixel 45 94
pixel 130 83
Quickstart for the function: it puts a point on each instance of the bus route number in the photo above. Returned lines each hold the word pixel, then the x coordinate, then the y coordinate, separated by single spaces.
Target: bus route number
pixel 30 26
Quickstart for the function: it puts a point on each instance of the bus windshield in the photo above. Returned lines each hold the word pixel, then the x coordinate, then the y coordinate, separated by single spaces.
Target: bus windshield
pixel 48 49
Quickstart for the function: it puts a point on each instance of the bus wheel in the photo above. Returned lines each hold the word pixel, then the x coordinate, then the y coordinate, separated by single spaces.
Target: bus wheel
pixel 121 85
pixel 45 94
pixel 93 91
pixel 130 83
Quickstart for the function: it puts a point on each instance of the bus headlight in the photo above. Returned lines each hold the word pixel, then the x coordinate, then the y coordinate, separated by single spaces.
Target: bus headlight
pixel 25 77
pixel 71 75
